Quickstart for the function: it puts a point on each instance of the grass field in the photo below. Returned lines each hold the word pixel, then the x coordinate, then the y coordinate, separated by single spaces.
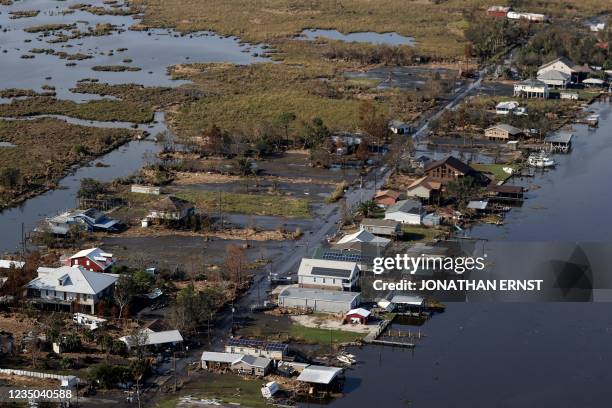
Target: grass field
pixel 418 233
pixel 275 205
pixel 323 336
pixel 496 169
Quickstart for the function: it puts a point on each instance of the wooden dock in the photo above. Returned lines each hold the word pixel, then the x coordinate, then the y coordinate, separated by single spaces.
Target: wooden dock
pixel 372 338
pixel 392 343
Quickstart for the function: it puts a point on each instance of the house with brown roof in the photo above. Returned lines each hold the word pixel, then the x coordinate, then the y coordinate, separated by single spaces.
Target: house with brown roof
pixel 450 169
pixel 502 132
pixel 425 188
pixel 385 198
pixel 170 208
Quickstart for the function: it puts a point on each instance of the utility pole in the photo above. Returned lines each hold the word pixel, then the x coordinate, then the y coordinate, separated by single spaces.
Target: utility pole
pixel 174 369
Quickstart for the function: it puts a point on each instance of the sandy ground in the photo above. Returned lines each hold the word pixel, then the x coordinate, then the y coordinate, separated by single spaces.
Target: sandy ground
pixel 29 382
pixel 333 323
pixel 17 325
pixel 233 234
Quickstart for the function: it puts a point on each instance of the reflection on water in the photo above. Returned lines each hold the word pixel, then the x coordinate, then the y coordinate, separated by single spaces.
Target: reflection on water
pixel 364 37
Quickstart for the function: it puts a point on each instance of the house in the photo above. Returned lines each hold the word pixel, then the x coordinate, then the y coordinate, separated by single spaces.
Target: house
pixel 399 127
pixel 565 94
pixel 531 88
pixel 251 365
pixel 325 301
pixel 503 132
pixel 555 79
pixel 170 208
pixel 561 64
pixel 424 188
pixel 11 264
pixel 532 17
pixel 88 220
pixel 385 198
pixel 505 108
pixel 92 259
pixel 363 236
pixel 361 253
pixel 152 338
pixel 72 289
pixel 138 188
pixel 328 274
pixel 406 212
pixel 357 316
pixel 450 169
pixel 257 348
pixel 419 162
pixel 388 228
pixel 407 302
pixel 560 141
pixel 431 220
pixel 498 11
pixel 214 361
pixel 345 143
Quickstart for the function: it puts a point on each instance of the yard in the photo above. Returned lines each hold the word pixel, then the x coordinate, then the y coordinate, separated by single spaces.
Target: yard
pixel 497 170
pixel 323 336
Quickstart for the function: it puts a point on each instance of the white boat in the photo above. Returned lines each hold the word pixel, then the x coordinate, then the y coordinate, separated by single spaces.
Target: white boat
pixel 345 360
pixel 540 160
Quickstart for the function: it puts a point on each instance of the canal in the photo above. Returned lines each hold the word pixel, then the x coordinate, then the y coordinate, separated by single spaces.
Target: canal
pixel 521 353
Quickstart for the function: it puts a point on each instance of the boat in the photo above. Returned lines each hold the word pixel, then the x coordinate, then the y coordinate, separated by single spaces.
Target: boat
pixel 346 358
pixel 540 160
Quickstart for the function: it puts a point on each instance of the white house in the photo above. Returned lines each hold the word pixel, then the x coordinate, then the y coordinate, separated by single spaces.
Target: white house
pixel 406 212
pixel 554 78
pixel 70 288
pixel 560 65
pixel 505 108
pixel 364 236
pixel 531 88
pixel 327 274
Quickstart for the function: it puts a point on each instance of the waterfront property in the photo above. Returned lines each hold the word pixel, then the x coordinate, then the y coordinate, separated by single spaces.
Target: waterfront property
pixel 406 211
pixel 505 192
pixel 357 316
pixel 92 259
pixel 328 274
pixel 406 302
pixel 502 132
pixel 361 253
pixel 564 65
pixel 326 301
pixel 320 376
pixel 386 198
pixel 424 188
pixel 559 142
pixel 376 226
pixel 531 88
pixel 451 168
pixel 235 362
pixel 568 94
pixel 257 348
pixel 72 289
pixel 89 220
pixel 478 206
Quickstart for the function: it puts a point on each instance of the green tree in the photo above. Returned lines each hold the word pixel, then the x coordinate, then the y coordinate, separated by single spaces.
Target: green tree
pixel 315 133
pixel 367 208
pixel 125 289
pixel 462 190
pixel 284 120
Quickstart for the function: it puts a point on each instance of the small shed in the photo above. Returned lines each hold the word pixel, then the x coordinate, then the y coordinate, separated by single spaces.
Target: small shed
pixel 214 361
pixel 389 228
pixel 505 192
pixel 386 198
pixel 399 128
pixel 560 141
pixel 357 316
pixel 478 205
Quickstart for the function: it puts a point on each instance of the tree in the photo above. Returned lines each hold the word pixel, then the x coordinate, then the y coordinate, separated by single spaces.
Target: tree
pixel 462 189
pixel 91 188
pixel 284 120
pixel 107 375
pixel 315 133
pixel 189 310
pixel 244 166
pixel 367 208
pixel 143 281
pixel 235 262
pixel 124 292
pixel 71 342
pixel 213 140
pixel 373 122
pixel 10 178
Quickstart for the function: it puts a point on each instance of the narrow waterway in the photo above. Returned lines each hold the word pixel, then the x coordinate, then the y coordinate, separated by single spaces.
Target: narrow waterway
pixel 515 354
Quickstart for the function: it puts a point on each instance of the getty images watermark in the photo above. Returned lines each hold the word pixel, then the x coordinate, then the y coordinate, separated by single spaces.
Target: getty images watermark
pixel 457 265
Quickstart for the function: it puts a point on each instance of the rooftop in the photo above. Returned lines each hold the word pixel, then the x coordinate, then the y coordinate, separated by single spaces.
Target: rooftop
pixel 72 279
pixel 229 358
pixel 507 128
pixel 406 206
pixel 377 222
pixel 559 137
pixel 319 374
pixel 554 75
pixel 259 344
pixel 413 300
pixel 453 162
pixel 343 269
pixel 364 236
pixel 154 338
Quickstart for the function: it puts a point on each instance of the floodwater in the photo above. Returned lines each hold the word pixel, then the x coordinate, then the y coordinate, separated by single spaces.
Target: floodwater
pixel 514 354
pixel 152 51
pixel 404 77
pixel 363 37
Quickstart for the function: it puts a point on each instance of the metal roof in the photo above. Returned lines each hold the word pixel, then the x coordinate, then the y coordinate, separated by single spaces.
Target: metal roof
pixel 407 300
pixel 360 311
pixel 155 338
pixel 7 264
pixel 319 294
pixel 363 236
pixel 478 205
pixel 323 267
pixel 507 128
pixel 73 279
pixel 554 75
pixel 319 374
pixel 260 362
pixel 406 206
pixel 559 137
pixel 376 222
pixel 216 357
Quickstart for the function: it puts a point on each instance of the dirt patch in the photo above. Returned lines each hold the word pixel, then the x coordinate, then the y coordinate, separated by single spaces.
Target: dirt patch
pixel 28 382
pixel 233 234
pixel 333 323
pixel 16 324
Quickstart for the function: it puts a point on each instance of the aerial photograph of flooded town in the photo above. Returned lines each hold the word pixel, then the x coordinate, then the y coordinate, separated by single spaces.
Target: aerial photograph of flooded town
pixel 283 203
